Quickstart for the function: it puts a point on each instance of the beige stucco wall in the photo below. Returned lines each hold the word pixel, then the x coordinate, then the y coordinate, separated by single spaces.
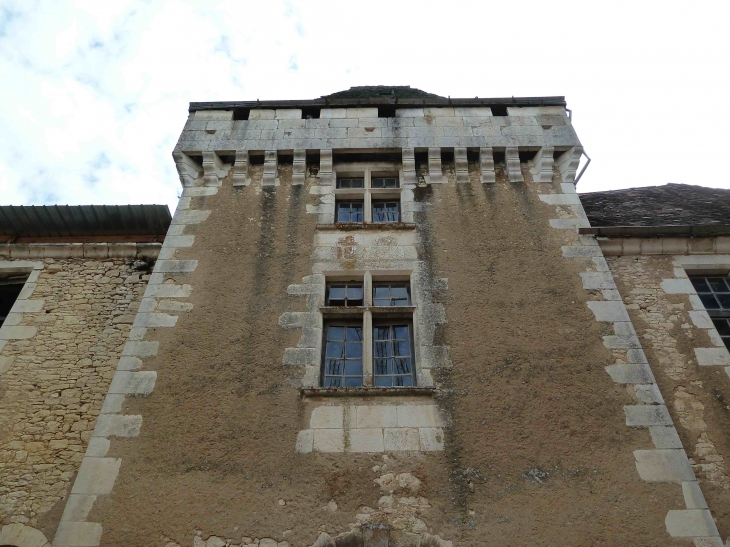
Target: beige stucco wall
pixel 52 384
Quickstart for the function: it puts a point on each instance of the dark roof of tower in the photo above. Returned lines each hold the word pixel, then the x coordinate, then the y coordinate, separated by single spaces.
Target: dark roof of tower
pixel 668 205
pixel 382 91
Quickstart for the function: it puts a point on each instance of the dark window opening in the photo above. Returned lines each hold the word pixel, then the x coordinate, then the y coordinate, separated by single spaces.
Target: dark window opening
pixel 353 182
pixel 714 292
pixel 10 287
pixel 447 155
pixel 355 157
pixel 391 294
pixel 350 211
pixel 386 112
pixel 558 153
pixel 386 211
pixel 344 294
pixel 241 113
pixel 256 159
pixel 342 355
pixel 227 159
pixel 385 182
pixel 472 156
pixel 499 110
pixel 499 157
pixel 526 155
pixel 393 355
pixel 310 113
pixel 285 159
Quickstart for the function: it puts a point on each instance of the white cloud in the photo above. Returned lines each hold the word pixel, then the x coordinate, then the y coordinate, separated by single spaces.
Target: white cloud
pixel 95 94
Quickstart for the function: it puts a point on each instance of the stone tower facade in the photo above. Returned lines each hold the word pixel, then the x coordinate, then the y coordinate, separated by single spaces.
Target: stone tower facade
pixel 380 318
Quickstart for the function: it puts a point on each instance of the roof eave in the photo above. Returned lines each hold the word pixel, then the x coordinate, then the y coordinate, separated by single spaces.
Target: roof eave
pixel 414 103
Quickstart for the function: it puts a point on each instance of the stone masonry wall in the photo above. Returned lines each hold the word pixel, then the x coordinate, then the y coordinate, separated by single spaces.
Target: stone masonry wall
pixel 53 383
pixel 696 396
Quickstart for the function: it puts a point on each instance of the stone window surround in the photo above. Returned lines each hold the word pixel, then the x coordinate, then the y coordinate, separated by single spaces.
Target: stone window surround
pixel 368 170
pixel 10 329
pixel 684 266
pixel 328 313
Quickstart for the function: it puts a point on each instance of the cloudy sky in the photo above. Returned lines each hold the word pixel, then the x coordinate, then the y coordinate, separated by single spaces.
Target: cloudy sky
pixel 94 93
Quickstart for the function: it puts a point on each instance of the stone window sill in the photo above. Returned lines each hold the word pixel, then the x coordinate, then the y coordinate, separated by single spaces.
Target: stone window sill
pixel 366 391
pixel 378 226
pixel 380 311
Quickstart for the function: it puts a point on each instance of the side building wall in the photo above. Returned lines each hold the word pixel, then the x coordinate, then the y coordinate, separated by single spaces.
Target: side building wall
pixel 58 351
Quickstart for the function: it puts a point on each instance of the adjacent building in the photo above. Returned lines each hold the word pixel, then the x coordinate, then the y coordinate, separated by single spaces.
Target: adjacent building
pixel 381 317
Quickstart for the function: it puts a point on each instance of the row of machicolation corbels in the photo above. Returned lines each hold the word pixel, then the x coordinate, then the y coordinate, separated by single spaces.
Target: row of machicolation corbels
pixel 209 168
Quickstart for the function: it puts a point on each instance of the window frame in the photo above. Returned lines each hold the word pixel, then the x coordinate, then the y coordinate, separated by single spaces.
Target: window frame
pixel 385 201
pixel 368 171
pixel 347 284
pixel 719 315
pixel 341 322
pixel 390 284
pixel 351 202
pixel 17 281
pixel 393 322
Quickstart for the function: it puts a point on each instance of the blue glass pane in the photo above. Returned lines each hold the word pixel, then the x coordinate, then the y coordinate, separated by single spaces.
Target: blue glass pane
pixel 353 382
pixel 332 382
pixel 335 349
pixel 334 367
pixel 401 366
pixel 354 334
pixel 335 333
pixel 356 217
pixel 382 292
pixel 724 300
pixel 381 366
pixel 354 292
pixel 383 381
pixel 382 333
pixel 401 332
pixel 353 368
pixel 381 349
pixel 401 348
pixel 354 350
pixel 403 381
pixel 337 293
pixel 343 216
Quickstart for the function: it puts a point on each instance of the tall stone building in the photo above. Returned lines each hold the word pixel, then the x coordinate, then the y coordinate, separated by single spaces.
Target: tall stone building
pixel 378 318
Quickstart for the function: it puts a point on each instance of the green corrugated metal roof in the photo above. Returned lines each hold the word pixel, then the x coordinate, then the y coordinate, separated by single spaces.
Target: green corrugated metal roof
pixel 83 220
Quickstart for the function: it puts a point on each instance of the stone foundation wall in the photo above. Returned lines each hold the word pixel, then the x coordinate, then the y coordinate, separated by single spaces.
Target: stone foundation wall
pixel 58 353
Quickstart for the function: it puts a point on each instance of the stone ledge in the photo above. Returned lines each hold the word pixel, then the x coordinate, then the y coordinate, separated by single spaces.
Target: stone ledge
pixel 80 250
pixel 366 391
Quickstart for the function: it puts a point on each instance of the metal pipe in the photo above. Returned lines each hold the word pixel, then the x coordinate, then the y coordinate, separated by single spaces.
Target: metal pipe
pixel 584 168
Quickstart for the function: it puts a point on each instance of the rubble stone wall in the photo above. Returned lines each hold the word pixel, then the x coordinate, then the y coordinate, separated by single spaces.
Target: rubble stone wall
pixel 52 383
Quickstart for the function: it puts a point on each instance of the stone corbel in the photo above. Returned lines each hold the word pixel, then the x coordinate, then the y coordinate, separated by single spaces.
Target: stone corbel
pixel 325 167
pixel 486 165
pixel 568 162
pixel 240 169
pixel 214 170
pixel 409 166
pixel 541 166
pixel 188 169
pixel 461 164
pixel 435 172
pixel 299 168
pixel 271 167
pixel 512 157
